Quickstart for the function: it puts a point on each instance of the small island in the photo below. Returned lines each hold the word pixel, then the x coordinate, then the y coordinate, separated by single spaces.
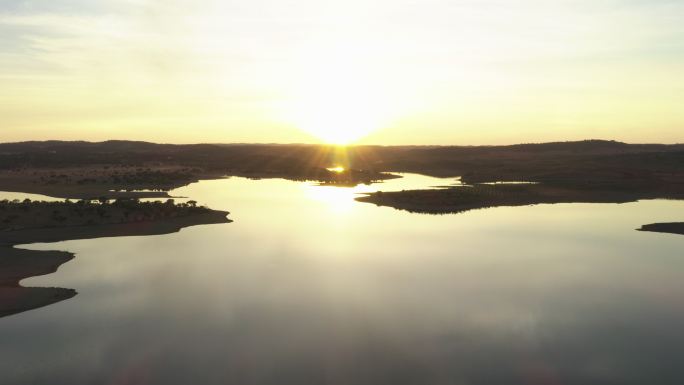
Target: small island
pixel 24 222
pixel 668 228
pixel 479 196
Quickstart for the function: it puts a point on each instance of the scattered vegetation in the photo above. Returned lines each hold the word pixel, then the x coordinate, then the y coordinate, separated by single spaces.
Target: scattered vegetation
pixel 460 199
pixel 586 171
pixel 19 215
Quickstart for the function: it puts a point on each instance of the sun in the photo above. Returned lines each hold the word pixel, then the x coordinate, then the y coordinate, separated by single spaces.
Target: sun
pixel 339 101
pixel 338 113
pixel 339 120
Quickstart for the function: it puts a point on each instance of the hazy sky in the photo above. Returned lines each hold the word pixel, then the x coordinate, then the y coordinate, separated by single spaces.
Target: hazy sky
pixel 400 71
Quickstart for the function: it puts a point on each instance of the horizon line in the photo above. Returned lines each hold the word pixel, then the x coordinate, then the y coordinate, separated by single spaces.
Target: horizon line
pixel 337 145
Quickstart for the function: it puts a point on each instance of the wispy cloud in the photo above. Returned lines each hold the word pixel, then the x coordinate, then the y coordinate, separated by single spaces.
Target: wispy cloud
pixel 220 58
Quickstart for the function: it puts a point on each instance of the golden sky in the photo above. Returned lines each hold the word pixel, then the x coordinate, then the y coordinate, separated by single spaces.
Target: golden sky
pixel 382 72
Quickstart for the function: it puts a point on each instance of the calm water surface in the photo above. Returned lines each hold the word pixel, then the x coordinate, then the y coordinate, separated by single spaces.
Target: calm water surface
pixel 309 287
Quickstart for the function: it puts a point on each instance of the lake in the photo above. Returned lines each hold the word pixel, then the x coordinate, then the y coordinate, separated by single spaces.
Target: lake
pixel 308 286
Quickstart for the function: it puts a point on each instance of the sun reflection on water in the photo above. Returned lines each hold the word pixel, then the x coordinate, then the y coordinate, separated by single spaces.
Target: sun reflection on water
pixel 337 198
pixel 337 169
pixel 340 198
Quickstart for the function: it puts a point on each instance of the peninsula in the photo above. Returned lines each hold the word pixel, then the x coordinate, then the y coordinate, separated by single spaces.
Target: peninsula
pixel 669 228
pixel 24 222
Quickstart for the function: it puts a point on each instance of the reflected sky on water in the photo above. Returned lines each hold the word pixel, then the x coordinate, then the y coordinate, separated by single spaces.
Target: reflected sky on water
pixel 308 286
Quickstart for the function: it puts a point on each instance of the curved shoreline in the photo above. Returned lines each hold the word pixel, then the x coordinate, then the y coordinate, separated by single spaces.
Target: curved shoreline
pixel 461 199
pixel 17 264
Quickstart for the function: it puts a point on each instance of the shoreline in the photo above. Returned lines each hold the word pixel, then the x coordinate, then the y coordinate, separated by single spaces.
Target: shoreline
pixel 586 171
pixel 676 228
pixel 64 184
pixel 17 264
pixel 79 232
pixel 465 198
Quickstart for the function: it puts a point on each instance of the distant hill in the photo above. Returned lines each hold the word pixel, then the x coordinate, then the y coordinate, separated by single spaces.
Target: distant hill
pixel 592 160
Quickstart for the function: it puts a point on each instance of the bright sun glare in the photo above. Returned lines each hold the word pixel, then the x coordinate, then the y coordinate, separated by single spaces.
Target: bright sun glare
pixel 339 100
pixel 338 114
pixel 339 122
pixel 337 169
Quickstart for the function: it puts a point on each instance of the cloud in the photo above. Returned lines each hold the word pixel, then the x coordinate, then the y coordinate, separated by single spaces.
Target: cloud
pixel 216 58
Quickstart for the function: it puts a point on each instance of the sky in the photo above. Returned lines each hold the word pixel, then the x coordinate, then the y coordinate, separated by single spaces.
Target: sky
pixel 365 71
